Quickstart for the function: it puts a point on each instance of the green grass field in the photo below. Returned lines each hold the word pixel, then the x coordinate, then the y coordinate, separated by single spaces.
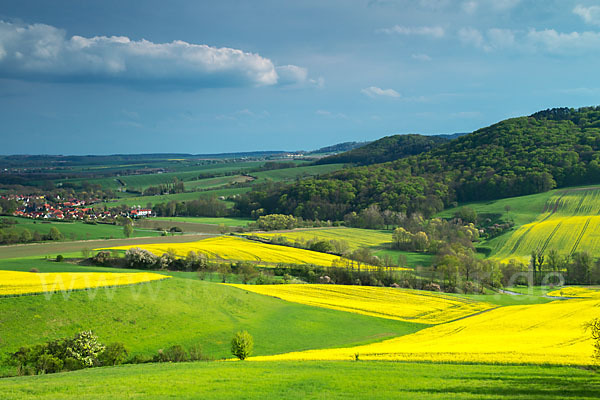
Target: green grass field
pixel 378 241
pixel 77 230
pixel 523 209
pixel 207 220
pixel 278 175
pixel 210 183
pixel 188 173
pixel 187 196
pixel 151 316
pixel 314 380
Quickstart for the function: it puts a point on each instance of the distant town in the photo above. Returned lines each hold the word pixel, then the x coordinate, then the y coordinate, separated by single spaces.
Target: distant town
pixel 38 207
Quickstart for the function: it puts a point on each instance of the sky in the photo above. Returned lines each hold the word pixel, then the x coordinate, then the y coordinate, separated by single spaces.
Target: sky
pixel 107 77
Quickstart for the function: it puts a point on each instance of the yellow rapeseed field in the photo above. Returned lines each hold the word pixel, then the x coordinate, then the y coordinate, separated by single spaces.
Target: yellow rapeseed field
pixel 572 291
pixel 549 333
pixel 399 304
pixel 17 283
pixel 354 237
pixel 237 249
pixel 569 223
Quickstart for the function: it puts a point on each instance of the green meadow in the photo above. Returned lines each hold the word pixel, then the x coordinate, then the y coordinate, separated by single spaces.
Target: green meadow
pixel 77 230
pixel 151 316
pixel 313 380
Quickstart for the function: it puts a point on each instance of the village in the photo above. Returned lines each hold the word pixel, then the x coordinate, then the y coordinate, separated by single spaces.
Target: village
pixel 41 207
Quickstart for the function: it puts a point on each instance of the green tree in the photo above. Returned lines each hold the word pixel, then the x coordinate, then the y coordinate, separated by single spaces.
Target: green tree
pixel 594 327
pixel 242 345
pixel 247 271
pixel 54 234
pixel 113 354
pixel 128 230
pixel 85 348
pixel 26 236
pixel 467 214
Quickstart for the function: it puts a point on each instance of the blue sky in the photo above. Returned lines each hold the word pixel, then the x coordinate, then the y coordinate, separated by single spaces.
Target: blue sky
pixel 105 77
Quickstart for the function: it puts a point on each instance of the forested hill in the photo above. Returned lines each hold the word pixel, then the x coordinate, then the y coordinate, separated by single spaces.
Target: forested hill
pixel 389 148
pixel 552 148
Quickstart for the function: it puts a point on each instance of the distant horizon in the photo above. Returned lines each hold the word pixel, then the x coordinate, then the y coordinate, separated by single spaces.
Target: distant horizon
pixel 214 77
pixel 260 151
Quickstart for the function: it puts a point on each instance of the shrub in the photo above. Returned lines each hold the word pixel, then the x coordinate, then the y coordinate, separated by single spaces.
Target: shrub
pixel 48 364
pixel 196 353
pixel 113 354
pixel 86 348
pixel 176 353
pixel 140 258
pixel 59 258
pixel 322 246
pixel 67 354
pixel 101 258
pixel 242 345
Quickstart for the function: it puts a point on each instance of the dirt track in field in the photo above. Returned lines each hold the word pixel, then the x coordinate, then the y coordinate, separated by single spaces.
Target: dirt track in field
pixel 42 249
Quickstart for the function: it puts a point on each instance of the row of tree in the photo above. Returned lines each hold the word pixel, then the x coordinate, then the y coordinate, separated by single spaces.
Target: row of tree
pixel 13 235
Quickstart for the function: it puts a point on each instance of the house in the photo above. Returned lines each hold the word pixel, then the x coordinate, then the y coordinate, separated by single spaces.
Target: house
pixel 141 212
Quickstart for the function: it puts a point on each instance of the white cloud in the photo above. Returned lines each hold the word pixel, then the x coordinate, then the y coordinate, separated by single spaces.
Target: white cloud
pixel 543 41
pixel 43 52
pixel 500 38
pixel 590 15
pixel 471 36
pixel 421 57
pixel 432 31
pixel 289 74
pixel 563 43
pixel 374 91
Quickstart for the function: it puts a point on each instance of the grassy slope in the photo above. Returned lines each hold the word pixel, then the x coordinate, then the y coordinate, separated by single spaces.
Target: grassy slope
pixel 568 224
pixel 155 315
pixel 186 174
pixel 284 174
pixel 523 210
pixel 300 380
pixel 78 230
pixel 144 200
pixel 207 220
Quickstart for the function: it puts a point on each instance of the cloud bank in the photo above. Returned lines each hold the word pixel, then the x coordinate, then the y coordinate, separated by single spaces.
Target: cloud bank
pixel 43 52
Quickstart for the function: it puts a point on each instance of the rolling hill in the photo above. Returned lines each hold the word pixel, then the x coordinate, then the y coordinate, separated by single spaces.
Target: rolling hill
pixel 389 148
pixel 515 157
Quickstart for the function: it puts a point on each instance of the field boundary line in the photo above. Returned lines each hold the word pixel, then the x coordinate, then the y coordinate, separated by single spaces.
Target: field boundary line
pixel 520 239
pixel 587 223
pixel 549 238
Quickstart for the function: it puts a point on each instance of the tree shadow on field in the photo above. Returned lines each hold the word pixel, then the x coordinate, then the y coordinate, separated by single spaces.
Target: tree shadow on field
pixel 522 387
